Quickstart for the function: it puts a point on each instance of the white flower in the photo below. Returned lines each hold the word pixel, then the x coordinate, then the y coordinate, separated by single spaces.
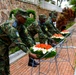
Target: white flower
pixel 61 37
pixel 53 49
pixel 57 37
pixel 65 32
pixel 35 48
pixel 49 50
pixel 44 51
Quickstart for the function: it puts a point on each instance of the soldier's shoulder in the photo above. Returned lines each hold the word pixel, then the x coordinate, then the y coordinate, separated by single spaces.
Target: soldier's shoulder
pixel 4 24
pixel 47 21
pixel 35 23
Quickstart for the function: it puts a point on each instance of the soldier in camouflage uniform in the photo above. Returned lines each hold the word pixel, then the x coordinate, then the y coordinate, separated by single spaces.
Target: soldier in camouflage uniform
pixel 42 23
pixel 7 36
pixel 34 29
pixel 50 23
pixel 23 33
pixel 43 34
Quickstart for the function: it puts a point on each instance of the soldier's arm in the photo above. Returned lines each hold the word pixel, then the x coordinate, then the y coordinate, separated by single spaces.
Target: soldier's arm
pixel 26 38
pixel 47 32
pixel 50 27
pixel 39 31
pixel 11 32
pixel 56 28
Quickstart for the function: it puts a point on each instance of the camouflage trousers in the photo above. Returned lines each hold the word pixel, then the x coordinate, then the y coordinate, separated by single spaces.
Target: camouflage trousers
pixel 4 60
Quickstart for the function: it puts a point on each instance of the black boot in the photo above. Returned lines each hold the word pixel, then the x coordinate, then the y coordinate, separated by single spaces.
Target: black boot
pixel 32 62
pixel 36 63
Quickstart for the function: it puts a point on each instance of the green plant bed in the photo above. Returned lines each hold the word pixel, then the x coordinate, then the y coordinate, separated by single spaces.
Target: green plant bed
pixel 13 50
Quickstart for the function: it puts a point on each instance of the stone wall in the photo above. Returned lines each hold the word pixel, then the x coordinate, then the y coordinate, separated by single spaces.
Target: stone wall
pixel 7 5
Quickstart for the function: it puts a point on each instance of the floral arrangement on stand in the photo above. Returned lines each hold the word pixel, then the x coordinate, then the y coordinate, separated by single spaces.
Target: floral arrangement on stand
pixel 43 50
pixel 58 37
pixel 65 33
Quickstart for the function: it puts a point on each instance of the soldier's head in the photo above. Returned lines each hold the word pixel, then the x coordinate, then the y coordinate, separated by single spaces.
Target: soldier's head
pixel 42 18
pixel 21 16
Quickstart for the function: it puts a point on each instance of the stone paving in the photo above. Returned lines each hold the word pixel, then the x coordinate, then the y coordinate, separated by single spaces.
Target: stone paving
pixel 48 66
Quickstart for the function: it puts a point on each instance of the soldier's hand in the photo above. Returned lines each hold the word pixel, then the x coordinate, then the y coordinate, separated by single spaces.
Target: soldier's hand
pixel 33 55
pixel 51 42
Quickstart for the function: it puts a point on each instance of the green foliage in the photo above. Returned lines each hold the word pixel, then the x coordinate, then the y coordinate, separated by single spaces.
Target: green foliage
pixel 13 12
pixel 13 50
pixel 47 0
pixel 29 21
pixel 73 2
pixel 69 24
pixel 53 2
pixel 32 12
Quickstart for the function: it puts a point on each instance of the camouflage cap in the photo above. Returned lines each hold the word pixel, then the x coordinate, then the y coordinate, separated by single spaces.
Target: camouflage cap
pixel 42 16
pixel 22 12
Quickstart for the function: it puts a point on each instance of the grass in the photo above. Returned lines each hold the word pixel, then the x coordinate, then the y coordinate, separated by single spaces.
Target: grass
pixel 71 23
pixel 13 50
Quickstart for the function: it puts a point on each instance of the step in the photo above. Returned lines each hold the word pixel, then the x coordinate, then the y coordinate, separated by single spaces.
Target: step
pixel 15 56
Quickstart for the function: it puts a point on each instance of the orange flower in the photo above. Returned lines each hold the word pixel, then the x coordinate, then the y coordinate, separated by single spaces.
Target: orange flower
pixel 58 35
pixel 55 35
pixel 45 46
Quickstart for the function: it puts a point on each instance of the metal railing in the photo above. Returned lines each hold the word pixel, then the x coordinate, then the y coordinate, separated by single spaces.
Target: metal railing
pixel 59 48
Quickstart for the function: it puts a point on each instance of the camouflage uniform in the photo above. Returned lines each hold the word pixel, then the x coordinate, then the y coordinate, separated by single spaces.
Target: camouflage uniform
pixel 46 28
pixel 50 24
pixel 34 29
pixel 21 29
pixel 43 25
pixel 7 36
pixel 51 28
pixel 24 35
pixel 27 34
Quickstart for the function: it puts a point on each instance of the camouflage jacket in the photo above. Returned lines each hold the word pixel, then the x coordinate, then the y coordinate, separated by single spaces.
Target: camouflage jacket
pixel 44 29
pixel 34 29
pixel 50 20
pixel 8 35
pixel 51 28
pixel 24 35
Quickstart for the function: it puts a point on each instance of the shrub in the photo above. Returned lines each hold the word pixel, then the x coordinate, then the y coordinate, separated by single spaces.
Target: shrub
pixel 29 21
pixel 31 12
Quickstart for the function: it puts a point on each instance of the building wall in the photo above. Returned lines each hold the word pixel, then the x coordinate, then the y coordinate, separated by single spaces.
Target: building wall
pixel 7 5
